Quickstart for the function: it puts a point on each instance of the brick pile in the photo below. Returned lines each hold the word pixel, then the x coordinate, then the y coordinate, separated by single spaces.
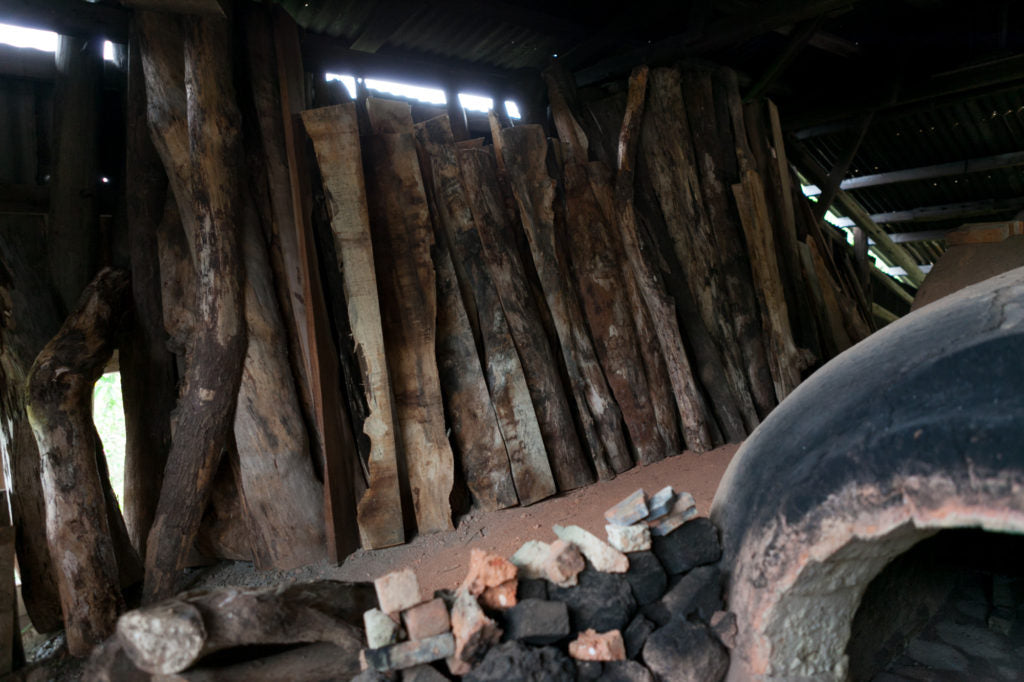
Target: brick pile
pixel 644 605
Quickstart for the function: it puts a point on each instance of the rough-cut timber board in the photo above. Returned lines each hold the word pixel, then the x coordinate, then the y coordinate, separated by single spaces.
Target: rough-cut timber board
pixel 471 416
pixel 335 134
pixel 402 237
pixel 525 151
pixel 782 356
pixel 668 152
pixel 454 222
pixel 539 369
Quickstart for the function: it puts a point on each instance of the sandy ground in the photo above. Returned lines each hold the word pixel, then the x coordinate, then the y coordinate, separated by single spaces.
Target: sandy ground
pixel 440 559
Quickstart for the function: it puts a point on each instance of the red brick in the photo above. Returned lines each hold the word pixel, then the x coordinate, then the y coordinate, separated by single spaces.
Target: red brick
pixel 426 619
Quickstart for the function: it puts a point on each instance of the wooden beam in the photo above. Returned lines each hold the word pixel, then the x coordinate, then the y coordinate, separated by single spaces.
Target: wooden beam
pixel 967 209
pixel 798 39
pixel 939 170
pixel 69 18
pixel 206 7
pixel 835 175
pixel 921 236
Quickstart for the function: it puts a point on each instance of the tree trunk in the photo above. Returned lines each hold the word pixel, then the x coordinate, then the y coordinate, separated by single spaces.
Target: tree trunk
pixel 148 375
pixel 79 531
pixel 523 379
pixel 169 637
pixel 335 135
pixel 206 408
pixel 402 237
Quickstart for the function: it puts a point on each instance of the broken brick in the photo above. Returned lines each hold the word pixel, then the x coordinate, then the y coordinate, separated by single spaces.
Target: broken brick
pixel 635 538
pixel 426 619
pixel 500 597
pixel 628 511
pixel 397 591
pixel 723 624
pixel 591 645
pixel 487 570
pixel 660 503
pixel 408 654
pixel 474 632
pixel 683 509
pixel 564 563
pixel 603 556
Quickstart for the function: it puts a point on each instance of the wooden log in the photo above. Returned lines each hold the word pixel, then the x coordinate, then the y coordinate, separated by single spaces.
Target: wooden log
pixel 525 152
pixel 668 153
pixel 78 531
pixel 283 499
pixel 660 306
pixel 470 414
pixel 335 135
pixel 782 354
pixel 504 381
pixel 31 309
pixel 148 374
pixel 169 637
pixel 343 482
pixel 530 385
pixel 402 237
pixel 206 409
pixel 74 215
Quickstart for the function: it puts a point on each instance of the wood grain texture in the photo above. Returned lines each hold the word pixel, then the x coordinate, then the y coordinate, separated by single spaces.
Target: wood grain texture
pixel 402 239
pixel 79 532
pixel 335 135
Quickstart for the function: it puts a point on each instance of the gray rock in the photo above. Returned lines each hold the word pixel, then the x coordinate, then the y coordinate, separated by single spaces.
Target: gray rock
pixel 694 544
pixel 535 621
pixel 516 662
pixel 936 655
pixel 699 593
pixel 625 671
pixel 587 671
pixel 636 634
pixel 685 652
pixel 602 601
pixel 531 589
pixel 423 673
pixel 646 578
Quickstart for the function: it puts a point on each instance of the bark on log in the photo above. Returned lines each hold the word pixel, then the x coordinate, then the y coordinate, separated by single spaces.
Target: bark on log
pixel 169 637
pixel 527 392
pixel 473 416
pixel 689 401
pixel 668 151
pixel 716 141
pixel 525 152
pixel 148 374
pixel 30 307
pixel 206 410
pixel 782 354
pixel 402 237
pixel 79 530
pixel 335 135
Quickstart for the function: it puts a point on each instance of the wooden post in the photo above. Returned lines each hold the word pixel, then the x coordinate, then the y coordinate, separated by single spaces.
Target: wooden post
pixel 79 531
pixel 456 114
pixel 206 409
pixel 335 135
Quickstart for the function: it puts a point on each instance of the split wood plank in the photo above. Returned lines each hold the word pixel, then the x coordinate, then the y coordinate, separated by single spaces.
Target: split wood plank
pixel 335 134
pixel 715 119
pixel 207 406
pixel 402 238
pixel 782 354
pixel 661 307
pixel 524 444
pixel 825 292
pixel 343 482
pixel 525 150
pixel 79 530
pixel 10 637
pixel 598 273
pixel 668 152
pixel 537 370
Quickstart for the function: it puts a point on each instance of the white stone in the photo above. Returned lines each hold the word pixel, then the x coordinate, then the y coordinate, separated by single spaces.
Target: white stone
pixel 530 558
pixel 635 538
pixel 603 556
pixel 381 630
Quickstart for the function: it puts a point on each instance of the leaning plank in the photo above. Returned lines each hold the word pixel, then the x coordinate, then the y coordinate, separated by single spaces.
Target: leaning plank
pixel 471 416
pixel 402 237
pixel 456 229
pixel 782 356
pixel 78 531
pixel 653 292
pixel 335 134
pixel 169 637
pixel 205 411
pixel 523 378
pixel 525 151
pixel 668 153
pixel 823 289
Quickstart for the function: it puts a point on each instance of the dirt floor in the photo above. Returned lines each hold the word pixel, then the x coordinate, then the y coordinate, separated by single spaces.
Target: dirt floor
pixel 440 560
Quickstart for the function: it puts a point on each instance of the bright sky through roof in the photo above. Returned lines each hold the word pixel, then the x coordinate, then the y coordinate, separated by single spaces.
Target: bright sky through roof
pixel 19 36
pixel 431 95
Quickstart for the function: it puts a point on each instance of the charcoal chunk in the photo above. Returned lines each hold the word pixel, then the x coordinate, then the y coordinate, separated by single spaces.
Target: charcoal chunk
pixel 636 634
pixel 532 589
pixel 694 544
pixel 535 621
pixel 587 671
pixel 422 673
pixel 683 651
pixel 646 578
pixel 516 662
pixel 625 671
pixel 699 593
pixel 602 601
